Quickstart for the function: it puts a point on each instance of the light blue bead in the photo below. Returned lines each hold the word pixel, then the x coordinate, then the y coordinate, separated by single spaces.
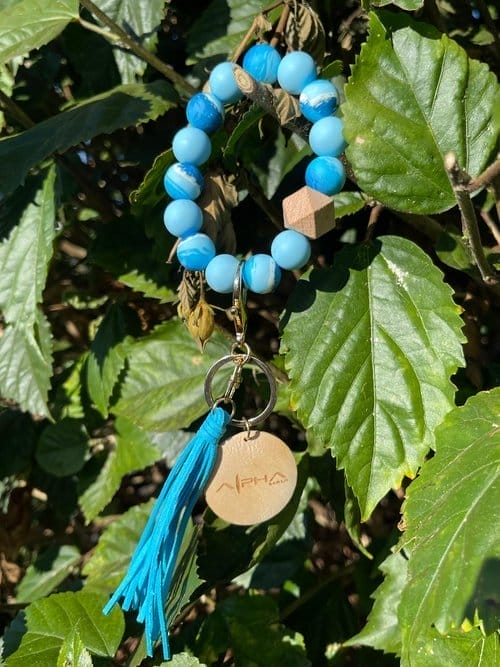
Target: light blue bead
pixel 223 84
pixel 326 137
pixel 319 99
pixel 261 61
pixel 183 181
pixel 261 274
pixel 191 145
pixel 290 250
pixel 221 272
pixel 205 112
pixel 183 218
pixel 325 174
pixel 195 252
pixel 296 70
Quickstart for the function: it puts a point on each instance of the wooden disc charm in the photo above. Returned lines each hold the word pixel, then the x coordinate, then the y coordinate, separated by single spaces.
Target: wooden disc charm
pixel 254 478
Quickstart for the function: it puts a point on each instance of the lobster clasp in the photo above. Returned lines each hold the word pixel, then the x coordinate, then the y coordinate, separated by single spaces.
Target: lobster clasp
pixel 238 311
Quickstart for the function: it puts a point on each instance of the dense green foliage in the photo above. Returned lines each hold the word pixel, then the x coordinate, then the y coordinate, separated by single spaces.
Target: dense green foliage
pixel 386 350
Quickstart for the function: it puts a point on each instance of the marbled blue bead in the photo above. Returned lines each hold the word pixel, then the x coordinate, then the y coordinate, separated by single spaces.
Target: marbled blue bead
pixel 318 99
pixel 326 136
pixel 223 84
pixel 183 218
pixel 205 112
pixel 261 61
pixel 290 249
pixel 296 70
pixel 325 174
pixel 261 274
pixel 195 252
pixel 221 272
pixel 190 144
pixel 183 181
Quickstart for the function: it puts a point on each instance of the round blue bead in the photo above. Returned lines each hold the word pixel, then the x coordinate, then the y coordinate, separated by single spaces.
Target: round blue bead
pixel 195 252
pixel 261 61
pixel 183 217
pixel 296 70
pixel 191 145
pixel 261 274
pixel 290 249
pixel 205 112
pixel 325 174
pixel 221 272
pixel 326 136
pixel 319 99
pixel 183 181
pixel 223 84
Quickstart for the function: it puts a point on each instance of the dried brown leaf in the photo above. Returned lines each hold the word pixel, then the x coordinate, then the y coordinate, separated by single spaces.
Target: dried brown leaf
pixel 304 31
pixel 200 323
pixel 218 199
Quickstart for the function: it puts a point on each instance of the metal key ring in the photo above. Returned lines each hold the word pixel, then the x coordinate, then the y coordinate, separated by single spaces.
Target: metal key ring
pixel 261 366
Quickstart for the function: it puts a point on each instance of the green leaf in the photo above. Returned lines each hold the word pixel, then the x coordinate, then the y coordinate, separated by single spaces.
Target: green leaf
pixel 17 443
pixel 108 352
pixel 450 513
pixel 133 451
pixel 31 23
pixel 151 191
pixel 352 519
pixel 288 153
pixel 116 545
pixel 348 203
pixel 183 660
pixel 218 31
pixel 413 96
pixel 248 120
pixel 51 620
pixel 457 648
pixel 6 87
pixel 62 447
pixel 374 382
pixel 27 233
pixel 250 626
pixel 48 571
pixel 163 387
pixel 139 282
pixel 408 5
pixel 117 108
pixel 73 652
pixel 382 630
pixel 141 21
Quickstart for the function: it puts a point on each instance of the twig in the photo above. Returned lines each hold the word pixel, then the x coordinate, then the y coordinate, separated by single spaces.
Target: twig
pixel 16 112
pixel 262 94
pixel 487 177
pixel 491 224
pixel 372 220
pixel 460 180
pixel 93 27
pixel 134 46
pixel 280 28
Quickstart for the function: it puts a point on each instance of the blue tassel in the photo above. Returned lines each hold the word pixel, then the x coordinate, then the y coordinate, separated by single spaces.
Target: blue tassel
pixel 146 585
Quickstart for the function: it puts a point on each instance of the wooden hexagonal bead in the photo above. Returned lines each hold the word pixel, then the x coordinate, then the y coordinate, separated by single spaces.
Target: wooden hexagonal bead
pixel 309 212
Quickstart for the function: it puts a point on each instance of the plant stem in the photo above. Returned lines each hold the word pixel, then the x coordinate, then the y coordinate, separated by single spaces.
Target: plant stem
pixel 280 28
pixel 93 27
pixel 487 177
pixel 460 180
pixel 16 112
pixel 492 226
pixel 134 46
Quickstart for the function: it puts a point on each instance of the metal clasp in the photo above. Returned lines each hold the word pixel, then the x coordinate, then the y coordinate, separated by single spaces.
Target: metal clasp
pixel 238 311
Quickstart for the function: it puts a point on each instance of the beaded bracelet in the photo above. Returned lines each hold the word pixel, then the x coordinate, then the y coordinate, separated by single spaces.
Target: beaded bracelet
pixel 309 212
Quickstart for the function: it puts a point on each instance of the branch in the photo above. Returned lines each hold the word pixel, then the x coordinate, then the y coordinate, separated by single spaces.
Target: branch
pixel 117 32
pixel 460 181
pixel 486 178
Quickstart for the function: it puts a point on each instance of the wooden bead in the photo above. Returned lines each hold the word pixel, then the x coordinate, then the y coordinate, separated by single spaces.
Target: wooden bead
pixel 309 212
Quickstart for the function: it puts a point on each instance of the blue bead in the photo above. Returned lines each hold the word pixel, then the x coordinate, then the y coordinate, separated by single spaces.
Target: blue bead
pixel 183 181
pixel 325 174
pixel 319 99
pixel 296 70
pixel 195 252
pixel 205 112
pixel 261 274
pixel 191 145
pixel 290 249
pixel 261 61
pixel 221 272
pixel 183 217
pixel 223 84
pixel 326 137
